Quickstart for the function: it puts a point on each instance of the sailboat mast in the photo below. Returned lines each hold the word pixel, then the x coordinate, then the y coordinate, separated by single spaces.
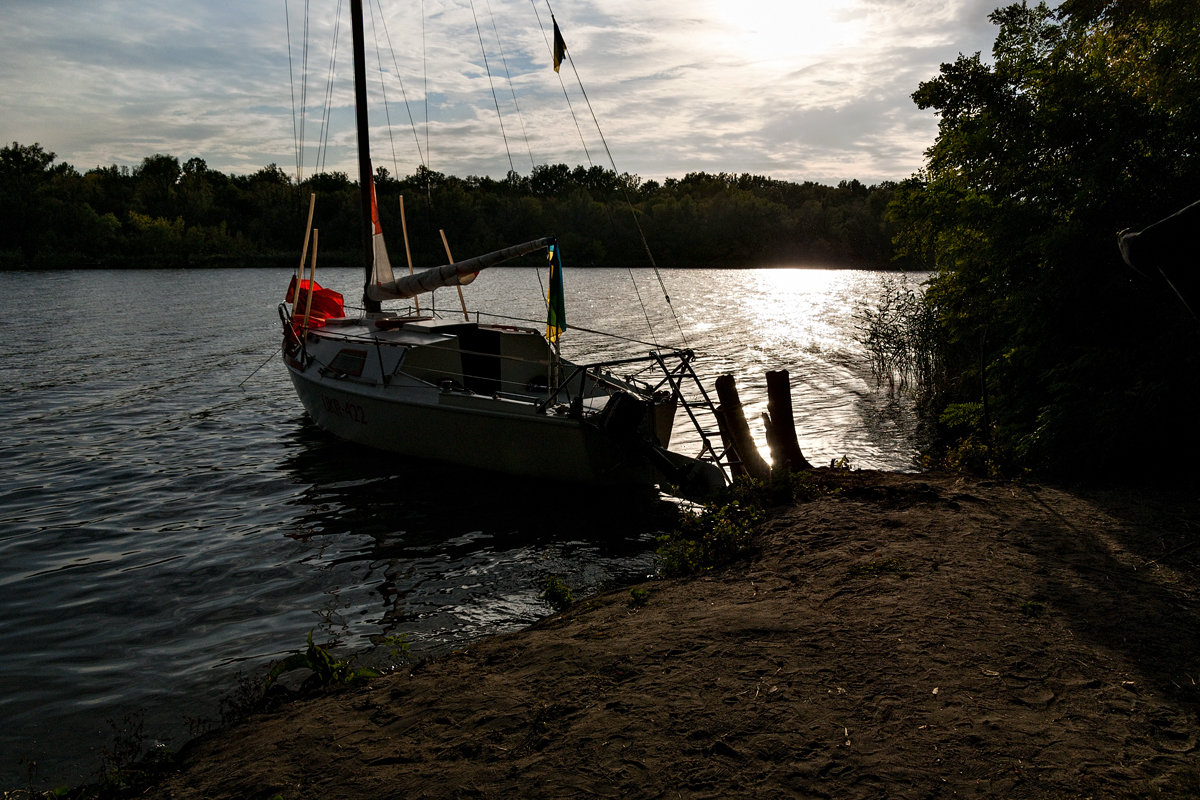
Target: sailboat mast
pixel 364 147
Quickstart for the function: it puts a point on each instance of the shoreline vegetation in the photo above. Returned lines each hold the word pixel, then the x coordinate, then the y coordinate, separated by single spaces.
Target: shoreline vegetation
pixel 163 213
pixel 883 634
pixel 1035 348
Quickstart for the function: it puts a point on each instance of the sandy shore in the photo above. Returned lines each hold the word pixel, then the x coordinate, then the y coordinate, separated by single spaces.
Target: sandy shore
pixel 908 636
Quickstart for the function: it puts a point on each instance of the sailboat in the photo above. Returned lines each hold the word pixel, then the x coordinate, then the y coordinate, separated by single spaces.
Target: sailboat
pixel 483 396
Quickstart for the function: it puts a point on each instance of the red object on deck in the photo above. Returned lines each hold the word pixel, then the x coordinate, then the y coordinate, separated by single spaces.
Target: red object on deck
pixel 326 303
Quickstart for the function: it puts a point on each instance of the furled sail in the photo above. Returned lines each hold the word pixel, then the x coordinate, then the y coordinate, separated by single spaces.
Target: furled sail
pixel 381 267
pixel 460 273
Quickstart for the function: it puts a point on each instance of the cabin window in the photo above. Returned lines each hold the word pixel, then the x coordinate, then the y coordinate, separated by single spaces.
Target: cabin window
pixel 349 362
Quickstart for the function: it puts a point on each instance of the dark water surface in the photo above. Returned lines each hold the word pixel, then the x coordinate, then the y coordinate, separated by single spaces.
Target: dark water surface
pixel 169 518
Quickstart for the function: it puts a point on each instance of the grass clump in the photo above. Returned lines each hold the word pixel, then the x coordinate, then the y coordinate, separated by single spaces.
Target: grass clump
pixel 326 670
pixel 781 489
pixel 722 529
pixel 557 593
pixel 1032 608
pixel 399 648
pixel 709 537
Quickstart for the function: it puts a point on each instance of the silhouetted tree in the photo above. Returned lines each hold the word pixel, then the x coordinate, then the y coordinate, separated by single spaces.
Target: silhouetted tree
pixel 25 173
pixel 1086 122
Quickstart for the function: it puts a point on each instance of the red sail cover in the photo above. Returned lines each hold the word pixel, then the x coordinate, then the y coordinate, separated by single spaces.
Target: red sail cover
pixel 326 303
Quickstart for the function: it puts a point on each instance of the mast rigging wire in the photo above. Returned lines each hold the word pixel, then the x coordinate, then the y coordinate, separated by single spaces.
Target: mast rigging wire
pixel 323 137
pixel 566 96
pixel 287 16
pixel 511 87
pixel 496 100
pixel 624 190
pixel 403 93
pixel 425 89
pixel 298 128
pixel 387 112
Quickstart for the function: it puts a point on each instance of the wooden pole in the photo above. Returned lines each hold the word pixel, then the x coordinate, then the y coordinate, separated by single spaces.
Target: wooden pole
pixel 450 259
pixel 407 251
pixel 734 418
pixel 736 467
pixel 312 280
pixel 366 183
pixel 781 425
pixel 312 202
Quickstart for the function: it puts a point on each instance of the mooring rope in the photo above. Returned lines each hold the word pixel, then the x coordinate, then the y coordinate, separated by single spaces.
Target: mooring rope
pixel 270 358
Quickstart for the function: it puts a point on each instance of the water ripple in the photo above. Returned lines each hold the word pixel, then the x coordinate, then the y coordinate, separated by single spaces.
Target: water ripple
pixel 163 527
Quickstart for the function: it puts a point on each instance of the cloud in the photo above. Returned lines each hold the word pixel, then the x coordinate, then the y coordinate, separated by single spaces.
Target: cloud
pixel 800 92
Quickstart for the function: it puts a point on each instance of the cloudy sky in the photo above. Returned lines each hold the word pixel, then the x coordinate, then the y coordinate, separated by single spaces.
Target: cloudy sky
pixel 794 89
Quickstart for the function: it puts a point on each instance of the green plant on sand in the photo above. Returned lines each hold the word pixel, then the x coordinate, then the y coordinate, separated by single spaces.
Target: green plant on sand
pixel 399 648
pixel 722 530
pixel 326 670
pixel 557 593
pixel 714 535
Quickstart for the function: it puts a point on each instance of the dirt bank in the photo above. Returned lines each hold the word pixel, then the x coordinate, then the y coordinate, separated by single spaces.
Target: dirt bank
pixel 908 636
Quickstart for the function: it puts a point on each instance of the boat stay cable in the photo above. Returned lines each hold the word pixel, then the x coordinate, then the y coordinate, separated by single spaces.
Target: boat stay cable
pixel 412 123
pixel 492 85
pixel 326 114
pixel 512 89
pixel 624 189
pixel 425 94
pixel 297 120
pixel 566 95
pixel 588 155
pixel 376 7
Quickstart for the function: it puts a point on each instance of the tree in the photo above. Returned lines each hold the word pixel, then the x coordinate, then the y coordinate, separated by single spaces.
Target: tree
pixel 155 181
pixel 195 191
pixel 184 213
pixel 25 173
pixel 1085 123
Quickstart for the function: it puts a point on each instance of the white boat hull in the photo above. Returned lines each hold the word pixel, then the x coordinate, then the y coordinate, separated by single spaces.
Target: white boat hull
pixel 476 396
pixel 474 432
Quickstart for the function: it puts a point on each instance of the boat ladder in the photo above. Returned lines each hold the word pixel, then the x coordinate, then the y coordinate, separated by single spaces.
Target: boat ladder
pixel 690 393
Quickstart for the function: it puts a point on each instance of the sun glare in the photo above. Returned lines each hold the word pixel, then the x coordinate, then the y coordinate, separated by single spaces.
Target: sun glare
pixel 765 31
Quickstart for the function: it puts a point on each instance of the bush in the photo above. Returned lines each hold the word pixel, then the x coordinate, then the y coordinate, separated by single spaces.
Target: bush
pixel 707 538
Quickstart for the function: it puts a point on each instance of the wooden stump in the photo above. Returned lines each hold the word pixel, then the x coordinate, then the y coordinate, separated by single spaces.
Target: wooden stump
pixel 736 430
pixel 781 425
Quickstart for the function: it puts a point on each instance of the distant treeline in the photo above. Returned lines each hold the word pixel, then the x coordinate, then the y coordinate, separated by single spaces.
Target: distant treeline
pixel 164 213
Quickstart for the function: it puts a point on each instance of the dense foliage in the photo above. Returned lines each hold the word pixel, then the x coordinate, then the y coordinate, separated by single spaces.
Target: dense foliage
pixel 165 213
pixel 1057 357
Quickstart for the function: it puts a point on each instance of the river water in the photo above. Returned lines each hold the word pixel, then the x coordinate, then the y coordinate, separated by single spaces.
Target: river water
pixel 169 519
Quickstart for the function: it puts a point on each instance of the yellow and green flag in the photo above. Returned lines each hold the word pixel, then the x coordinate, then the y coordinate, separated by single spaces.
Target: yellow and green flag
pixel 556 307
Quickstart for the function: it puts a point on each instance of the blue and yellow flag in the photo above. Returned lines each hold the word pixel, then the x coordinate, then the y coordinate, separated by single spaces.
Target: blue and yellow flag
pixel 556 307
pixel 560 46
